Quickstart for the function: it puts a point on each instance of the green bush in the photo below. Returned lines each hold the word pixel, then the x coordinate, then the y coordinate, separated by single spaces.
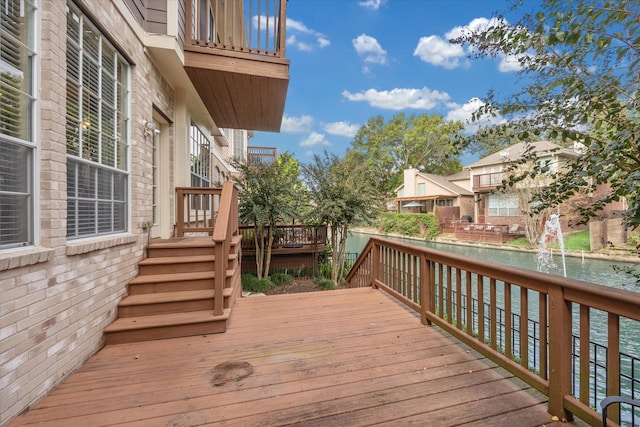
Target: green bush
pixel 325 284
pixel 281 279
pixel 426 225
pixel 251 283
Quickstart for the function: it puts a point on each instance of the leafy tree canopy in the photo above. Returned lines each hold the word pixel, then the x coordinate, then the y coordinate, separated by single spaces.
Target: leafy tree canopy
pixel 341 194
pixel 579 65
pixel 426 142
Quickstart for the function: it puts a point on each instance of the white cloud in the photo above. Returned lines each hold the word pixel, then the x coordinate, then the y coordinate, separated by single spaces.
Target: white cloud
pixel 299 34
pixel 296 124
pixel 314 139
pixel 369 49
pixel 399 99
pixel 463 113
pixel 292 41
pixel 341 129
pixel 475 25
pixel 509 63
pixel 372 4
pixel 440 52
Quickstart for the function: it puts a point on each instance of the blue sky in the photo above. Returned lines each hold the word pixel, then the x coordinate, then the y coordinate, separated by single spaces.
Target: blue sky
pixel 354 59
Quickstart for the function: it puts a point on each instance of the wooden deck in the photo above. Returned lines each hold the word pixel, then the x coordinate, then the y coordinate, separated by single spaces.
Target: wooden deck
pixel 350 357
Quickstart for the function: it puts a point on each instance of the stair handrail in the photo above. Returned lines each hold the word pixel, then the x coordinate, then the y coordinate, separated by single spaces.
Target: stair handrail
pixel 226 226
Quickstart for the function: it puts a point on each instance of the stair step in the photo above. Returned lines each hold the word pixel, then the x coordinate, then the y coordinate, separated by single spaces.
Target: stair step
pixel 176 264
pixel 172 277
pixel 169 302
pixel 146 328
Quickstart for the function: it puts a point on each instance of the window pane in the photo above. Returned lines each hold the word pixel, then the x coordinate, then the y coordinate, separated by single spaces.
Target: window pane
pixel 97 121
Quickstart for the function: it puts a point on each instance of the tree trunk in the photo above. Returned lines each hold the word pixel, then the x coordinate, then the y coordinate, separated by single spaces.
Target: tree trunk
pixel 259 240
pixel 269 248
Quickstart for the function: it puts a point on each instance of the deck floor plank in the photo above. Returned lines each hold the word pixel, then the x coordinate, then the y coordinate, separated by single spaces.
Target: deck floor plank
pixel 346 357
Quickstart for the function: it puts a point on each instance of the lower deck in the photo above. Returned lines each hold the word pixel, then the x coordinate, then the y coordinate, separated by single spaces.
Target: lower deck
pixel 352 357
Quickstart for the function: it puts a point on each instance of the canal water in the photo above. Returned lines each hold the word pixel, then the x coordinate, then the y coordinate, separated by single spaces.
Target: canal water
pixel 598 271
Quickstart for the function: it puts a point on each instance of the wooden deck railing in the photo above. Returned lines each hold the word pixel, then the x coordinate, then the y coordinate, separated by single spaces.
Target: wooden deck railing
pixel 252 26
pixel 197 208
pixel 226 230
pixel 524 320
pixel 288 236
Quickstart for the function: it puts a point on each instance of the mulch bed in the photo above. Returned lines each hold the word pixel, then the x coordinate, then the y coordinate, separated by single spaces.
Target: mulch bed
pixel 298 285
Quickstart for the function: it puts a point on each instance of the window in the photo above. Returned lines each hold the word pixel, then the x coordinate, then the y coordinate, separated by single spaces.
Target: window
pixel 239 144
pixel 97 126
pixel 200 158
pixel 503 205
pixel 444 202
pixel 17 145
pixel 422 189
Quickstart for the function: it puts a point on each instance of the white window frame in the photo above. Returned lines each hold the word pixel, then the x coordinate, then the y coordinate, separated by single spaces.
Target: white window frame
pixel 503 205
pixel 98 152
pixel 28 194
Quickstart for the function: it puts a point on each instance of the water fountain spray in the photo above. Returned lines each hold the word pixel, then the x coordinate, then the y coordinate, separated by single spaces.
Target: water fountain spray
pixel 552 233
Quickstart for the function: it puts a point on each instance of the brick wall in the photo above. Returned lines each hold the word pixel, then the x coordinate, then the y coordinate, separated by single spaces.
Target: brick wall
pixel 56 298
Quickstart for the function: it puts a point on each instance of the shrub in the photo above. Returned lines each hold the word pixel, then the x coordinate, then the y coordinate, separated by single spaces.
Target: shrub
pixel 281 279
pixel 410 224
pixel 325 284
pixel 251 283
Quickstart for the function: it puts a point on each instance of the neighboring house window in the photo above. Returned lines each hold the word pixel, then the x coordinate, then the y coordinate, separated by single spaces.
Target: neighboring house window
pixel 216 176
pixel 422 189
pixel 200 158
pixel 17 146
pixel 97 128
pixel 503 205
pixel 239 144
pixel 401 192
pixel 549 163
pixel 444 202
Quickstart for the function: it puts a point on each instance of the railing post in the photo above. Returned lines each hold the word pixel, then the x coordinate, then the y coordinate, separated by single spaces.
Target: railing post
pixel 560 321
pixel 180 217
pixel 375 261
pixel 425 289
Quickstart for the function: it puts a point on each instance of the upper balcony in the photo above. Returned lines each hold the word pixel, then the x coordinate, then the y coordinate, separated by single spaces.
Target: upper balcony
pixel 234 54
pixel 487 181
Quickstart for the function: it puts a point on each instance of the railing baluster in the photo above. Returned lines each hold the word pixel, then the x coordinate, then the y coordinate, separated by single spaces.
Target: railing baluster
pixel 613 364
pixel 524 327
pixel 493 328
pixel 481 334
pixel 542 316
pixel 508 321
pixel 585 327
pixel 469 316
pixel 449 295
pixel 459 300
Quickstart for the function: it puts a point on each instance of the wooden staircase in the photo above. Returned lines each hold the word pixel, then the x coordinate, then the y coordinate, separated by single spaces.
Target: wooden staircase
pixel 174 293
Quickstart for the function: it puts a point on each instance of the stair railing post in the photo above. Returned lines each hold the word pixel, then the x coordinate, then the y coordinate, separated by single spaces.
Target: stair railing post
pixel 224 227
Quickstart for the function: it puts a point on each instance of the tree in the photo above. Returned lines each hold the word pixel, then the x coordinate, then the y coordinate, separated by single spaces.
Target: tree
pixel 341 193
pixel 266 196
pixel 426 142
pixel 579 61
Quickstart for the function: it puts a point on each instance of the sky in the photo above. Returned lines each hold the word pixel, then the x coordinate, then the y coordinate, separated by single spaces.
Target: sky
pixel 352 60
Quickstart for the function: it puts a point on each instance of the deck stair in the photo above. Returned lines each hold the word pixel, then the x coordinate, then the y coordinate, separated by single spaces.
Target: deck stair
pixel 173 294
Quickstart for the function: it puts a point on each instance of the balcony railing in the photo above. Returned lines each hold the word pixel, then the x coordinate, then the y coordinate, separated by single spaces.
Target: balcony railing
pixel 537 326
pixel 229 25
pixel 263 155
pixel 487 180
